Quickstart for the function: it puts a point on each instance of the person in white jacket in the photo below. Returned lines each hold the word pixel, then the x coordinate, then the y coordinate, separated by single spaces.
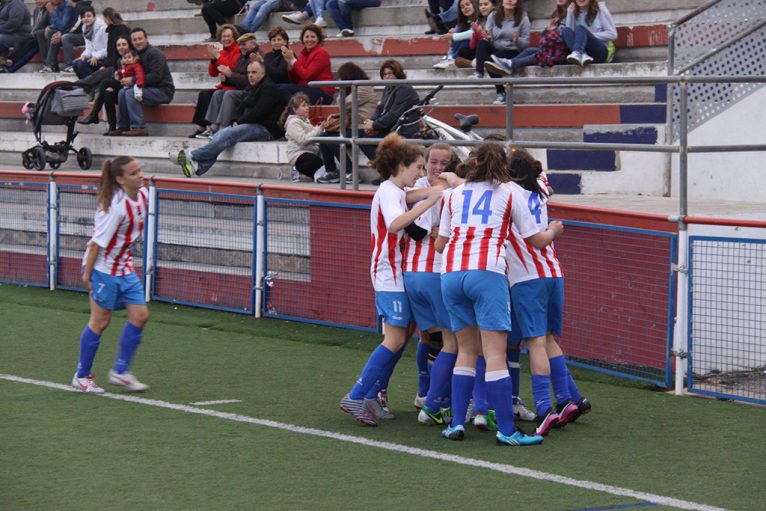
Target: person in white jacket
pixel 94 33
pixel 589 32
pixel 303 155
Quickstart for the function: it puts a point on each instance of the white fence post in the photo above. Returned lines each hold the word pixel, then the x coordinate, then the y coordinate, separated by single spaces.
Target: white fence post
pixel 260 252
pixel 53 231
pixel 149 241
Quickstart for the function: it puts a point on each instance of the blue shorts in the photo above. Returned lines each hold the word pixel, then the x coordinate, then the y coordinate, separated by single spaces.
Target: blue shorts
pixel 477 297
pixel 424 290
pixel 394 307
pixel 112 293
pixel 537 308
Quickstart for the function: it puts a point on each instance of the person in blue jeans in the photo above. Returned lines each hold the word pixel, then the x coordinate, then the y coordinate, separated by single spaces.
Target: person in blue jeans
pixel 159 88
pixel 258 13
pixel 589 32
pixel 62 19
pixel 257 119
pixel 341 11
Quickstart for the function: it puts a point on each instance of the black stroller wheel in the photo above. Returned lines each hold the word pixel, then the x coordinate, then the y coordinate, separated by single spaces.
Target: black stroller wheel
pixel 38 158
pixel 26 160
pixel 84 158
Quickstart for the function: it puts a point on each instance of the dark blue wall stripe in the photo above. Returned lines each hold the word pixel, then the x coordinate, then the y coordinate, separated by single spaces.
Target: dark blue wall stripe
pixel 564 183
pixel 639 135
pixel 563 159
pixel 642 114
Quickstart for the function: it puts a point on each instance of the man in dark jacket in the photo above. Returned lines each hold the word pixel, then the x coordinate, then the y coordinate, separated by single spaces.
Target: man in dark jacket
pixel 15 24
pixel 159 88
pixel 27 48
pixel 257 119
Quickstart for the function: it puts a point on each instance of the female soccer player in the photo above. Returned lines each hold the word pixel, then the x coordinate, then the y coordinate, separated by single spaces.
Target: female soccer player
pixel 109 276
pixel 537 300
pixel 399 165
pixel 475 226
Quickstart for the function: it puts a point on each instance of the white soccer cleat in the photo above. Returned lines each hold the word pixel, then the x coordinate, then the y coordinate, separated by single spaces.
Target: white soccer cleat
pixel 126 380
pixel 419 401
pixel 522 413
pixel 86 384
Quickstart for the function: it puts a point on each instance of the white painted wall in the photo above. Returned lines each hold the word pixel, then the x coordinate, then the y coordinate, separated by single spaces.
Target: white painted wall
pixel 729 176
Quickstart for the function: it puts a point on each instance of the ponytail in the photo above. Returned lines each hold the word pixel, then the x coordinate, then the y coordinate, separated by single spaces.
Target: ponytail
pixel 525 170
pixel 491 164
pixel 111 170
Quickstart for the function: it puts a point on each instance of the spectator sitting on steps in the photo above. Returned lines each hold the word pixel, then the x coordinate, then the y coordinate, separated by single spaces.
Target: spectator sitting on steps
pixel 158 88
pixel 257 119
pixel 15 24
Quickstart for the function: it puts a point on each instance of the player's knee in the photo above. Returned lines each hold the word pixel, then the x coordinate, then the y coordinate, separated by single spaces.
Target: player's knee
pixel 140 317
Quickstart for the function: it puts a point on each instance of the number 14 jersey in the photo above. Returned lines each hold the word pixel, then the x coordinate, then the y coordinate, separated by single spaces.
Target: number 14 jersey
pixel 477 218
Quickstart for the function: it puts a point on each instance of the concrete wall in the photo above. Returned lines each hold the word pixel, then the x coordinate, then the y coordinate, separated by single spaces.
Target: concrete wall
pixel 729 176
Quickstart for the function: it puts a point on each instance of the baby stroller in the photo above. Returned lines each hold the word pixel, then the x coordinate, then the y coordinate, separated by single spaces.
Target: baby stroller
pixel 59 103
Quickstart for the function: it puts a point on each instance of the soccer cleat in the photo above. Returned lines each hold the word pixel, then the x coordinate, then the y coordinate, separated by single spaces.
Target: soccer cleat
pixel 586 59
pixel 383 398
pixel 419 402
pixel 485 422
pixel 518 438
pixel 575 58
pixel 567 412
pixel 546 422
pixel 444 63
pixel 86 384
pixel 522 413
pixel 126 380
pixel 456 433
pixel 426 416
pixel 377 411
pixel 357 409
pixel 583 408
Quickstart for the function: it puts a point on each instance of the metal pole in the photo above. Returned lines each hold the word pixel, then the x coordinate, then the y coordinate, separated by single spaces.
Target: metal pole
pixel 354 146
pixel 680 344
pixel 342 133
pixel 150 241
pixel 53 230
pixel 260 252
pixel 509 112
pixel 669 95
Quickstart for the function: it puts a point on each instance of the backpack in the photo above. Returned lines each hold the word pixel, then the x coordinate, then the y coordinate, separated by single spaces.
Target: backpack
pixel 553 50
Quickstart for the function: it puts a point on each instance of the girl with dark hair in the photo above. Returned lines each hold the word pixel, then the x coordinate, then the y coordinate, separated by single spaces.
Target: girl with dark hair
pixel 589 32
pixel 475 225
pixel 399 165
pixel 508 28
pixel 460 36
pixel 109 276
pixel 303 155
pixel 537 298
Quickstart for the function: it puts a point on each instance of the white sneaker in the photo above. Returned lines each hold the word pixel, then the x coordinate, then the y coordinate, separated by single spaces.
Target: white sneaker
pixel 476 75
pixel 444 63
pixel 86 384
pixel 321 22
pixel 522 413
pixel 346 32
pixel 575 58
pixel 126 380
pixel 586 59
pixel 499 99
pixel 419 401
pixel 296 17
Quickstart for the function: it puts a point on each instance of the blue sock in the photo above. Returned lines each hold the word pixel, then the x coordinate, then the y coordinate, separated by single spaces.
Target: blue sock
pixel 480 404
pixel 541 389
pixel 130 338
pixel 385 376
pixel 89 342
pixel 378 360
pixel 499 393
pixel 462 385
pixel 514 369
pixel 441 381
pixel 560 380
pixel 573 390
pixel 424 377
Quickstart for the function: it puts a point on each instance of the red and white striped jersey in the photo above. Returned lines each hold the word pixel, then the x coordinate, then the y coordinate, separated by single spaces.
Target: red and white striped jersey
pixel 388 204
pixel 115 232
pixel 525 262
pixel 421 255
pixel 477 219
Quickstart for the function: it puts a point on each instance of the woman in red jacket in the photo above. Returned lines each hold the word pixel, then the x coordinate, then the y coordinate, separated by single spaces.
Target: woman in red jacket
pixel 220 61
pixel 312 63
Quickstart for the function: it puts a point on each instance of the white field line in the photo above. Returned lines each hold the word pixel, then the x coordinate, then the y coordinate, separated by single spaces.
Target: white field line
pixel 219 402
pixel 389 446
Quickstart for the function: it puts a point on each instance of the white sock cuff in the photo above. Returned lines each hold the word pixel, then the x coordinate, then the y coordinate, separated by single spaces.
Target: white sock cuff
pixel 496 375
pixel 464 371
pixel 514 365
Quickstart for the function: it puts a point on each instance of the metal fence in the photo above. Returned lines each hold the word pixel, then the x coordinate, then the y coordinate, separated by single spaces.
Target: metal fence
pixel 727 318
pixel 280 255
pixel 24 233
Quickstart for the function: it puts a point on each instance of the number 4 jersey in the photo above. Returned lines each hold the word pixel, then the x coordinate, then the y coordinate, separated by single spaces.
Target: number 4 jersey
pixel 525 262
pixel 477 218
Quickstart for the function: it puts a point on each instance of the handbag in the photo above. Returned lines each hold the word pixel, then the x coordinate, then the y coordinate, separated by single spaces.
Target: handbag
pixel 333 125
pixel 69 103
